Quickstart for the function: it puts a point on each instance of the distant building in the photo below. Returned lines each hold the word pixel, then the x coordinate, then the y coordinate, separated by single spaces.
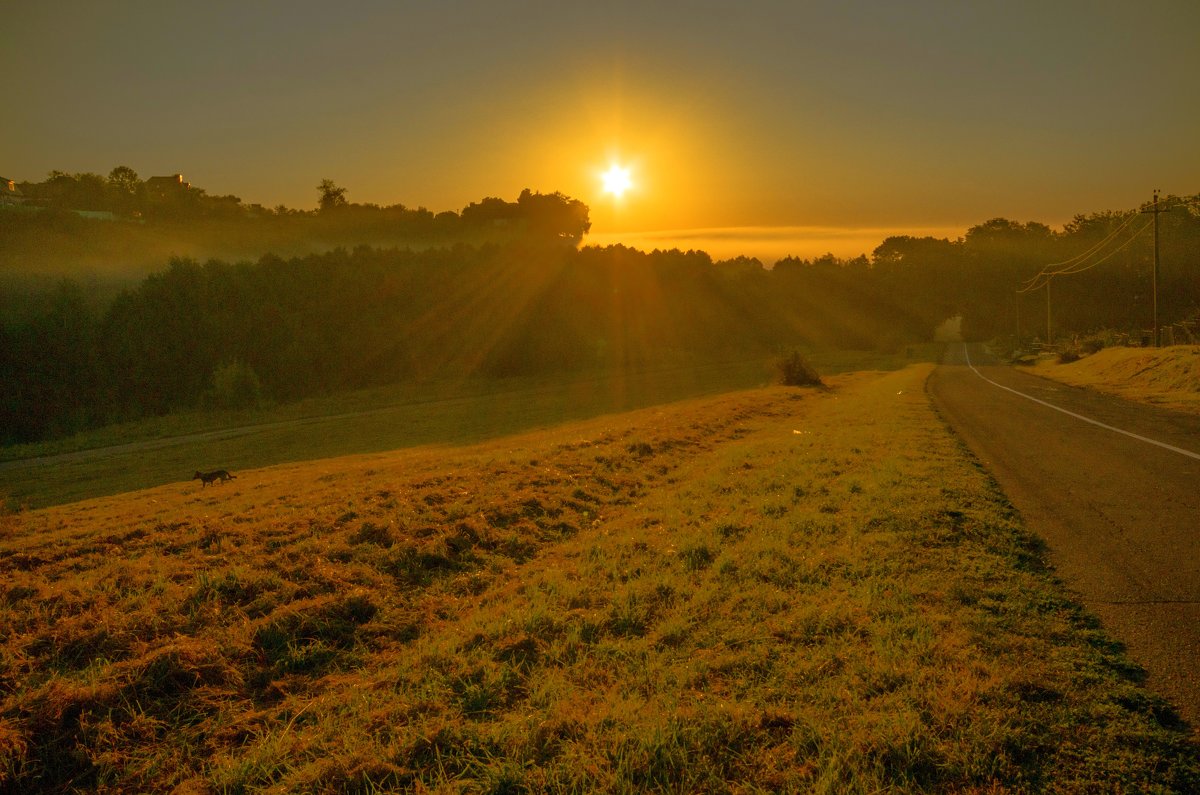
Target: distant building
pixel 10 193
pixel 167 187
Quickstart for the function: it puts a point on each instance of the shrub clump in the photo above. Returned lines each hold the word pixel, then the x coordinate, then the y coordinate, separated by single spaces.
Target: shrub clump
pixel 235 386
pixel 697 557
pixel 794 370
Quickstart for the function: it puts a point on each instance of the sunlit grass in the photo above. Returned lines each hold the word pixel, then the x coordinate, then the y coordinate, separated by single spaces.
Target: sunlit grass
pixel 1168 377
pixel 773 590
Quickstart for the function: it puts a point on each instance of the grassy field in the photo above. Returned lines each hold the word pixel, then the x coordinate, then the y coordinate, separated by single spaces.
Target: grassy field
pixel 1168 377
pixel 769 590
pixel 168 449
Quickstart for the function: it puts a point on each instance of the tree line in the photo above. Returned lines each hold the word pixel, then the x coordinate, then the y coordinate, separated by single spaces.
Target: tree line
pixel 980 274
pixel 126 195
pixel 222 334
pixel 122 225
pixel 280 328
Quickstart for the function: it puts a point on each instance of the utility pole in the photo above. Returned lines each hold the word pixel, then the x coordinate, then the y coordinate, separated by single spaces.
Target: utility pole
pixel 1049 339
pixel 1154 276
pixel 1018 297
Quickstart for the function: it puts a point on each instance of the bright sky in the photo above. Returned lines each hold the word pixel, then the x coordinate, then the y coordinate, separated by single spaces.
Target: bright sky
pixel 838 115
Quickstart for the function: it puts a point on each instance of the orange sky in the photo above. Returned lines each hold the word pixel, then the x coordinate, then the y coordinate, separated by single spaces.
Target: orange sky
pixel 846 116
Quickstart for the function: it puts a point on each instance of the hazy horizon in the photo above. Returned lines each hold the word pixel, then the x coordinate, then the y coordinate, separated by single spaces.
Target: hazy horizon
pixel 769 243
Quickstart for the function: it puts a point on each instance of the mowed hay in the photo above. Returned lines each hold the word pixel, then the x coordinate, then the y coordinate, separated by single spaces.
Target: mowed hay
pixel 775 590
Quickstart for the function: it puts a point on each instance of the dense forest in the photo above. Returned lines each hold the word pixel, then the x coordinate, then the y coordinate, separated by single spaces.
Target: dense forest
pixel 234 334
pixel 506 290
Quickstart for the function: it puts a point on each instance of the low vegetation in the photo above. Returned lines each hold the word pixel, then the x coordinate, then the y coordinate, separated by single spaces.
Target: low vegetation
pixel 1168 377
pixel 149 452
pixel 771 590
pixel 795 370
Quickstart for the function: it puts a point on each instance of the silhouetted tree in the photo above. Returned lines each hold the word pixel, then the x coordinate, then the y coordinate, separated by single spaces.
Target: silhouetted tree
pixel 490 212
pixel 125 189
pixel 73 191
pixel 331 196
pixel 52 382
pixel 554 215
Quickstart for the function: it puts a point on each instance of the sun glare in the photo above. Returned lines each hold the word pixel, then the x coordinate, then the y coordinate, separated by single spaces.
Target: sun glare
pixel 616 180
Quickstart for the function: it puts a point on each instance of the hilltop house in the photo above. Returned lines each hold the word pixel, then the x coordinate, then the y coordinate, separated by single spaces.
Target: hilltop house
pixel 10 194
pixel 167 187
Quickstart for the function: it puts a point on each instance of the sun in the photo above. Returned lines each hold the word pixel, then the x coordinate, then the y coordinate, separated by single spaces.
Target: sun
pixel 616 180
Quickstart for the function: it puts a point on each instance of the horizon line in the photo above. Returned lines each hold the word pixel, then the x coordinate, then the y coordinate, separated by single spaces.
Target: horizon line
pixel 770 244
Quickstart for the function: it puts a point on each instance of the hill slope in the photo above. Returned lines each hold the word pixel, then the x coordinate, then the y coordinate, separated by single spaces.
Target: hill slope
pixel 1167 377
pixel 767 590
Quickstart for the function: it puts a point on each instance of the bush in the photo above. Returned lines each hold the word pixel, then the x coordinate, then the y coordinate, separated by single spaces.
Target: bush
pixel 1006 347
pixel 1066 357
pixel 235 386
pixel 794 370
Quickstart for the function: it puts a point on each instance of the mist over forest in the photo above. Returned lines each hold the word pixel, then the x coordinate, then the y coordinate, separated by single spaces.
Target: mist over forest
pixel 122 299
pixel 118 229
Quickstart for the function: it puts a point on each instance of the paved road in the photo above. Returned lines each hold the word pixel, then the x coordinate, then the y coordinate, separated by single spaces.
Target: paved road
pixel 1121 515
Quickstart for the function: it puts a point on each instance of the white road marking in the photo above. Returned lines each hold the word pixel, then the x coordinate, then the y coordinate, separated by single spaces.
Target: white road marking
pixel 1130 434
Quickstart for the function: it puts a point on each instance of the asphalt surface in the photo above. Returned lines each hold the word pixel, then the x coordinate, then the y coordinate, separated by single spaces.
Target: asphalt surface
pixel 1121 515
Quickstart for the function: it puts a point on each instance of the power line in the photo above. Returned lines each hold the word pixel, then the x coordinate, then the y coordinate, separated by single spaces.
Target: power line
pixel 1044 276
pixel 1106 257
pixel 1091 250
pixel 1073 264
pixel 1080 264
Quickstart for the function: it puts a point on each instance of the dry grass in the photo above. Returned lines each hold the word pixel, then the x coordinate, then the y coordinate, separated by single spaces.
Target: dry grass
pixel 774 590
pixel 1168 377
